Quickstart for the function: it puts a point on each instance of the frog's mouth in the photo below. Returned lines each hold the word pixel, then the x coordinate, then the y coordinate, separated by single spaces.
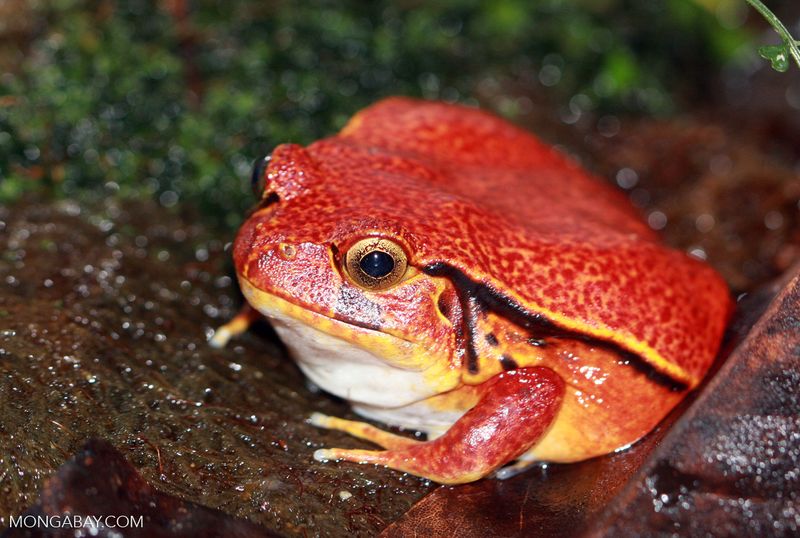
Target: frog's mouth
pixel 359 364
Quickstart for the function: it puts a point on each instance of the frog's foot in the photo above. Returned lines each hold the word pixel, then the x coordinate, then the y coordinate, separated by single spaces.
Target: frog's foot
pixel 239 324
pixel 513 413
pixel 362 430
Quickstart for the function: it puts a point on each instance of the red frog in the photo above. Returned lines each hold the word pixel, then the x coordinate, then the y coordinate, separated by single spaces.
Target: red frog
pixel 447 272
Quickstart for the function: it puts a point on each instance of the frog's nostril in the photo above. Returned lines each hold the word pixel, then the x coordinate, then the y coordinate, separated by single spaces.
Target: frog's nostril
pixel 268 200
pixel 287 251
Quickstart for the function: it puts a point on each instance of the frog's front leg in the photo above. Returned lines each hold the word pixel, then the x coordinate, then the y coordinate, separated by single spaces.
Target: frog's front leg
pixel 513 413
pixel 238 325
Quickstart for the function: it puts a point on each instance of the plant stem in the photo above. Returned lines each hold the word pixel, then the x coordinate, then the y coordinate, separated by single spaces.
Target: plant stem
pixel 787 38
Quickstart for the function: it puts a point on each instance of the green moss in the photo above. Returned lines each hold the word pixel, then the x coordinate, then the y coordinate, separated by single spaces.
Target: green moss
pixel 124 98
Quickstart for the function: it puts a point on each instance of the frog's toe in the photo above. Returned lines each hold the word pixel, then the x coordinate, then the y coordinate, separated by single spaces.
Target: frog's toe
pixel 323 455
pixel 220 338
pixel 320 420
pixel 423 460
pixel 381 457
pixel 361 430
pixel 239 324
pixel 510 471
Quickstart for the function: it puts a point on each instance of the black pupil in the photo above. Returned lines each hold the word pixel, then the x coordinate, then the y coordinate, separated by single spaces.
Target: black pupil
pixel 377 264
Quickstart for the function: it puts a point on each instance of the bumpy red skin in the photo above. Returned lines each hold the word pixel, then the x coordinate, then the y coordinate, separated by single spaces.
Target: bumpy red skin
pixel 461 187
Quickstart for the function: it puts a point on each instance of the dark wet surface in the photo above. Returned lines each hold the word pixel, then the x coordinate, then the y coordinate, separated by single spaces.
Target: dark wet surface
pixel 99 482
pixel 103 321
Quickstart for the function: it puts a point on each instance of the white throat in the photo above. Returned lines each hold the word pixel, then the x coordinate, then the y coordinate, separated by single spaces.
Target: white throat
pixel 347 370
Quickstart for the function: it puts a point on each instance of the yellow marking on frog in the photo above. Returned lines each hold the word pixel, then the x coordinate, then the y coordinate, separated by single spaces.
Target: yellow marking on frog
pixel 636 347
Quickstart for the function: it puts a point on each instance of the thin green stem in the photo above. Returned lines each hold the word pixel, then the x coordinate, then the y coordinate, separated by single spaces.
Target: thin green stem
pixel 779 28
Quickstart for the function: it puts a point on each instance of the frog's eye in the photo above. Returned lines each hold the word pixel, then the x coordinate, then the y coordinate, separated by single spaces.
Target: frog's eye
pixel 258 181
pixel 375 263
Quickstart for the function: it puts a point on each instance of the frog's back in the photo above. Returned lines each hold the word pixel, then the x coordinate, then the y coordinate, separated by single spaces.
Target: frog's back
pixel 489 200
pixel 501 167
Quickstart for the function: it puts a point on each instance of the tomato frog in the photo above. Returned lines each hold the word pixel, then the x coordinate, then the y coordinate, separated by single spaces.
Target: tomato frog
pixel 445 271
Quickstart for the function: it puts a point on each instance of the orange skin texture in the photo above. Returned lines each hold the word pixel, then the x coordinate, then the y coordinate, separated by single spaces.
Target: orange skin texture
pixel 512 216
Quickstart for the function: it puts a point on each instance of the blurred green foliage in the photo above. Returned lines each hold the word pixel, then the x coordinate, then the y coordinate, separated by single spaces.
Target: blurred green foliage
pixel 137 97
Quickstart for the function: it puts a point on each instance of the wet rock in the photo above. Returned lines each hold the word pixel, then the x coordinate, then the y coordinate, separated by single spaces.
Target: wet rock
pixel 98 493
pixel 104 315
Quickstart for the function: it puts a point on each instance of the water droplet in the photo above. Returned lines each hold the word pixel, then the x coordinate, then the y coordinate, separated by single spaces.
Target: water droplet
pixel 168 198
pixel 550 75
pixel 704 223
pixel 627 178
pixel 657 220
pixel 698 252
pixel 608 126
pixel 773 220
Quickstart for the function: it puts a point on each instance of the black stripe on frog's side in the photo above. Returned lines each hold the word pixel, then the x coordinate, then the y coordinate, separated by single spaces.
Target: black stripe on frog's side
pixel 508 363
pixel 467 292
pixel 477 297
